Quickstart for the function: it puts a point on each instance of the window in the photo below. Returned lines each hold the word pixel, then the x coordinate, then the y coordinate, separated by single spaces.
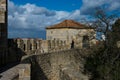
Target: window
pixel 85 41
pixel 51 32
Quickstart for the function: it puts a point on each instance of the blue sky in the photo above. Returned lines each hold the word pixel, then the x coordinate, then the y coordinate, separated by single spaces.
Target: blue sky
pixel 66 5
pixel 28 18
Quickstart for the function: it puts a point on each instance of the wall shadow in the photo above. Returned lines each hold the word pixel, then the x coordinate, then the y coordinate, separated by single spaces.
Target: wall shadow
pixel 37 72
pixel 14 51
pixel 13 57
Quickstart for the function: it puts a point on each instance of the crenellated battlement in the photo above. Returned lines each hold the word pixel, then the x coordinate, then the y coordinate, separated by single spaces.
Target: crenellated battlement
pixel 35 46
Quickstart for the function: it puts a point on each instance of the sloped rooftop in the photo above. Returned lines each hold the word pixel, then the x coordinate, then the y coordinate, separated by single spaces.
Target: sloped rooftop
pixel 68 24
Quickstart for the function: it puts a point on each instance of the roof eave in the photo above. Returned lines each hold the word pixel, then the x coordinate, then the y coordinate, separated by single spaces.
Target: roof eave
pixel 69 28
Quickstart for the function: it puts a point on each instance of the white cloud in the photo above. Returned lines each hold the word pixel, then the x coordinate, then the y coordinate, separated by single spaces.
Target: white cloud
pixel 35 10
pixel 115 5
pixel 89 5
pixel 75 15
pixel 61 14
pixel 33 18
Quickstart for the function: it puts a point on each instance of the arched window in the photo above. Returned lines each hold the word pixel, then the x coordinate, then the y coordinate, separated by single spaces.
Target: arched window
pixel 85 41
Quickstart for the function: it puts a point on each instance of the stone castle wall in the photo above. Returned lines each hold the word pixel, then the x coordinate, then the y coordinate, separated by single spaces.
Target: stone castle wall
pixel 57 42
pixel 118 44
pixel 18 72
pixel 34 46
pixel 2 11
pixel 28 45
pixel 61 65
pixel 77 35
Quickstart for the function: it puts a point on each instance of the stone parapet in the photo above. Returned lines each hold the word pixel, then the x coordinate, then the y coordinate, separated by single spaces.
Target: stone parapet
pixel 61 65
pixel 19 72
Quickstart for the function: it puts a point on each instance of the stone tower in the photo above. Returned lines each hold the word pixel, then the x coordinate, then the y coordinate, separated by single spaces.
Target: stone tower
pixel 69 31
pixel 3 32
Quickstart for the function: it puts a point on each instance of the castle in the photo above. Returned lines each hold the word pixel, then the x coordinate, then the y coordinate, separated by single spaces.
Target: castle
pixel 69 31
pixel 59 37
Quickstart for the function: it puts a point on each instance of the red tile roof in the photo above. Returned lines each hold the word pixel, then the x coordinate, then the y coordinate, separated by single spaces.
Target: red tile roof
pixel 68 24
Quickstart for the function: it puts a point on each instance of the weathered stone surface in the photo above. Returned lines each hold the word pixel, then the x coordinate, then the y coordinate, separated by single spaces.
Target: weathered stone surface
pixel 69 31
pixel 33 46
pixel 63 65
pixel 19 72
pixel 2 10
pixel 118 44
pixel 71 73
